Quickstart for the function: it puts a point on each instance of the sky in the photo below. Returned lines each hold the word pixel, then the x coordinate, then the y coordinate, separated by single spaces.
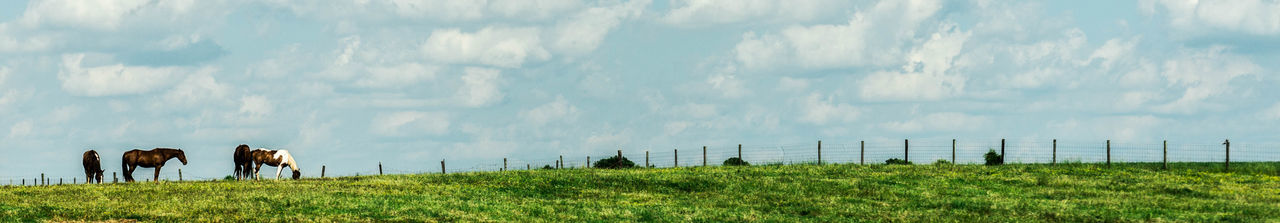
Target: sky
pixel 348 84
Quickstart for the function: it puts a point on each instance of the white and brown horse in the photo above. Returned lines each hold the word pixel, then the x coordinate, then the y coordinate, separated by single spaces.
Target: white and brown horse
pixel 92 167
pixel 276 158
pixel 154 158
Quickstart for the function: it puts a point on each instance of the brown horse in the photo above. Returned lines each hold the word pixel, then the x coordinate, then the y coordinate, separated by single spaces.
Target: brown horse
pixel 276 158
pixel 92 167
pixel 244 162
pixel 149 158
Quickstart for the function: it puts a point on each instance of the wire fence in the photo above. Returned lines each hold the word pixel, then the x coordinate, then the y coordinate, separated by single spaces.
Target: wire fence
pixel 842 152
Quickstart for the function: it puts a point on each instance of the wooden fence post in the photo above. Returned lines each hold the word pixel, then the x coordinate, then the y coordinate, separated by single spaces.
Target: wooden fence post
pixel 114 179
pixel 676 160
pixel 1166 154
pixel 322 169
pixel 73 180
pixel 379 168
pixel 179 174
pixel 1227 164
pixel 953 151
pixel 59 181
pixel 1055 153
pixel 43 181
pixel 740 152
pixel 819 152
pixel 504 164
pixel 1108 153
pixel 560 164
pixel 442 167
pixel 704 156
pixel 905 152
pixel 24 181
pixel 528 166
pixel 646 159
pixel 588 165
pixel 862 153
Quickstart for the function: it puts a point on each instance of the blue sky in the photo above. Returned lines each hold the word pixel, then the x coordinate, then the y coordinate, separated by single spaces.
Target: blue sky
pixel 407 83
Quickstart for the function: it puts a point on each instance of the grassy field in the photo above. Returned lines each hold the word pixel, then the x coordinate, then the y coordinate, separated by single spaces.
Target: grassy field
pixel 828 193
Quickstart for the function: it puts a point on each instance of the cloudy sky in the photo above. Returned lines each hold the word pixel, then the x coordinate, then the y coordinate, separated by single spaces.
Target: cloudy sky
pixel 409 82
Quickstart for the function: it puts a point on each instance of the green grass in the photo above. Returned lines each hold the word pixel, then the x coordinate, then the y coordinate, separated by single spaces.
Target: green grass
pixel 1071 192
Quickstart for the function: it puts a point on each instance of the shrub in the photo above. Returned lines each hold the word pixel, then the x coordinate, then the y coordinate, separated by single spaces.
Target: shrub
pixel 993 158
pixel 615 162
pixel 229 177
pixel 735 161
pixel 942 162
pixel 892 161
pixel 548 167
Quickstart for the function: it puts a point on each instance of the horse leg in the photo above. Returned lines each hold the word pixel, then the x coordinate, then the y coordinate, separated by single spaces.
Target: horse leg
pixel 157 176
pixel 278 169
pixel 239 175
pixel 256 168
pixel 128 173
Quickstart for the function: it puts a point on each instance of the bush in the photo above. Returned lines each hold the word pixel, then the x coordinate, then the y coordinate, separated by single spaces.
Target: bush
pixel 892 161
pixel 993 158
pixel 229 177
pixel 735 161
pixel 548 167
pixel 942 162
pixel 615 162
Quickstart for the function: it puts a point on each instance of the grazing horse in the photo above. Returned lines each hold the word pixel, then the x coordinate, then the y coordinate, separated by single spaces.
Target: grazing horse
pixel 276 158
pixel 244 162
pixel 92 167
pixel 149 158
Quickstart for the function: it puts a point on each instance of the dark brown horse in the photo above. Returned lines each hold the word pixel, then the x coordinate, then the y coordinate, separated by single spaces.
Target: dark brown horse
pixel 244 162
pixel 150 159
pixel 92 167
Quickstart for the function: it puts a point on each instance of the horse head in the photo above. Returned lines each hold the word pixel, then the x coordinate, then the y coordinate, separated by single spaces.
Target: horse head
pixel 182 157
pixel 297 174
pixel 99 175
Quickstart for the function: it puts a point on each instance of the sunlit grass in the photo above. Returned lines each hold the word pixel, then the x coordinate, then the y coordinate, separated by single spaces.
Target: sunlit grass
pixel 831 193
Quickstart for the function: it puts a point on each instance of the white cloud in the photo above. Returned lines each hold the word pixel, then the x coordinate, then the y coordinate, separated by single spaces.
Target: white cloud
pixel 926 75
pixel 871 37
pixel 822 111
pixel 401 75
pixel 21 129
pixel 1203 74
pixel 411 123
pixel 1113 50
pixel 480 87
pixel 696 13
pixel 943 121
pixel 104 15
pixel 792 84
pixel 112 80
pixel 1271 113
pixel 4 74
pixel 560 109
pixel 494 46
pixel 255 108
pixel 199 89
pixel 583 32
pixel 1248 16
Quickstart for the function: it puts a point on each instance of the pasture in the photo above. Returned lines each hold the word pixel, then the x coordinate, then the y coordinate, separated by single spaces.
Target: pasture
pixel 827 193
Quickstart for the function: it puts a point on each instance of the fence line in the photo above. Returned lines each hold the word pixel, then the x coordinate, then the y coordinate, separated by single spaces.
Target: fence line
pixel 1049 151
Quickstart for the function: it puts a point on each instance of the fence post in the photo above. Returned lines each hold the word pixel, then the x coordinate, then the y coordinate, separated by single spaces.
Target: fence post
pixel 43 181
pixel 740 152
pixel 59 181
pixel 560 164
pixel 24 181
pixel 1227 165
pixel 504 164
pixel 862 154
pixel 179 174
pixel 1055 153
pixel 322 169
pixel 646 159
pixel 442 167
pixel 114 179
pixel 704 156
pixel 953 151
pixel 73 180
pixel 1108 153
pixel 676 160
pixel 528 166
pixel 1166 154
pixel 905 151
pixel 379 168
pixel 819 152
pixel 588 165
